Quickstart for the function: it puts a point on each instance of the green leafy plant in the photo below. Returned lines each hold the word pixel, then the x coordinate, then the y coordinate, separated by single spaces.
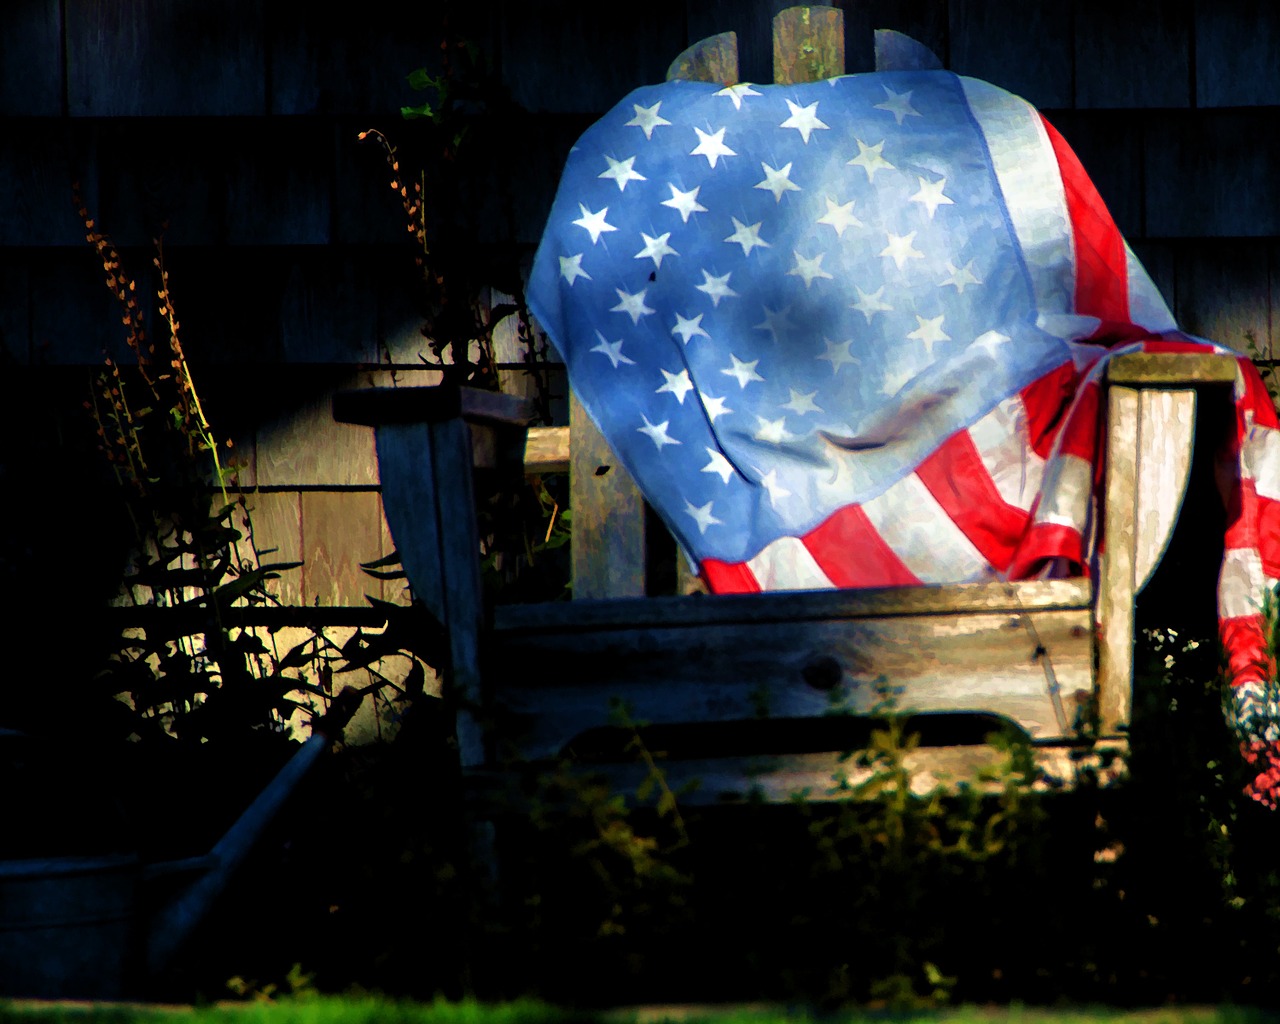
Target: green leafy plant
pixel 187 658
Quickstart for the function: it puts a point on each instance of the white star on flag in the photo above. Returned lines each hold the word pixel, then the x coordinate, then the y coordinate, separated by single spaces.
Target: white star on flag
pixel 871 159
pixel 677 384
pixel 686 329
pixel 930 195
pixel 839 217
pixel 801 404
pixel 747 237
pixel 929 331
pixel 632 304
pixel 647 118
pixel 870 305
pixel 808 269
pixel 717 287
pixel 711 146
pixel 773 431
pixel 838 354
pixel 960 278
pixel 594 223
pixel 612 349
pixel 684 202
pixel 898 104
pixel 571 268
pixel 737 93
pixel 655 249
pixel 715 407
pixel 719 465
pixel 900 248
pixel 622 172
pixel 777 181
pixel 803 119
pixel 657 433
pixel 776 322
pixel 702 515
pixel 743 373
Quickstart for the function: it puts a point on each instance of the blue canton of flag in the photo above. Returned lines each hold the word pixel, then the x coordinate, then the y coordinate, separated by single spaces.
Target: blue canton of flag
pixel 776 301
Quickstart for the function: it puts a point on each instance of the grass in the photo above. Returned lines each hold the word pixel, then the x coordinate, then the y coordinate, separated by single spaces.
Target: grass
pixel 359 1010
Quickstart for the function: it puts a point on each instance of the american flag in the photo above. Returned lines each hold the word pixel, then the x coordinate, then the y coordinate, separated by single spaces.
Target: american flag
pixel 849 334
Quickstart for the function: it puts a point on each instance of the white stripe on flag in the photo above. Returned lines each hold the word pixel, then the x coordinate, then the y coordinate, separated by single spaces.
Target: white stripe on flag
pixel 787 564
pixel 1260 460
pixel 1147 307
pixel 918 529
pixel 1242 583
pixel 1005 449
pixel 1027 171
pixel 1065 492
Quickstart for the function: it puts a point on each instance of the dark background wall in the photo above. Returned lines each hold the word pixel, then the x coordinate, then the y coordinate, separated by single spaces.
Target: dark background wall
pixel 236 123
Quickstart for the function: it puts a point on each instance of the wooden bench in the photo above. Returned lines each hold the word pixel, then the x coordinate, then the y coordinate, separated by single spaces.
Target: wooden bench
pixel 740 688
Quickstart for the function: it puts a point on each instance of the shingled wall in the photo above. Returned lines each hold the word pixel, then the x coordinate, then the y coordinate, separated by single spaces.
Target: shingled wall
pixel 237 123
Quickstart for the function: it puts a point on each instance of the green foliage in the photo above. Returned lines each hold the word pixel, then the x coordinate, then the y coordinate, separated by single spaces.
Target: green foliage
pixel 187 663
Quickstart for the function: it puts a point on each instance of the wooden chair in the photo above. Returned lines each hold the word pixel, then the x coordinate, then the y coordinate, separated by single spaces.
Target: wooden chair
pixel 751 679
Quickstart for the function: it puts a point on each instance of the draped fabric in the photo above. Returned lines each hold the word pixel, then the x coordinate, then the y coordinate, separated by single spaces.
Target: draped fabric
pixel 851 333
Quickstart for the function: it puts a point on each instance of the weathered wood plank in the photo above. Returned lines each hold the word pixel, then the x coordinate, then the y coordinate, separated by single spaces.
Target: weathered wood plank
pixel 1158 257
pixel 1109 145
pixel 277 532
pixel 714 59
pixel 808 44
pixel 609 63
pixel 799 606
pixel 925 21
pixel 607 550
pixel 73 318
pixel 31 66
pixel 546 450
pixel 1034 669
pixel 35 179
pixel 1135 54
pixel 305 446
pixel 781 779
pixel 340 529
pixel 410 493
pixel 1171 368
pixel 1224 291
pixel 1200 164
pixel 152 58
pixel 395 591
pixel 1166 438
pixel 279 184
pixel 460 568
pixel 433 404
pixel 1116 574
pixel 1237 54
pixel 307 43
pixel 1018 46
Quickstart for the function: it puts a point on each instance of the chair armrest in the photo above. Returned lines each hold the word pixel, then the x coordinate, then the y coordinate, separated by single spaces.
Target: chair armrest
pixel 1152 414
pixel 373 407
pixel 1171 369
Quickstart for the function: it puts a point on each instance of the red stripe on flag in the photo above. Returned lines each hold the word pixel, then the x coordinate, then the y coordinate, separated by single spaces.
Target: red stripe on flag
pixel 959 481
pixel 1102 274
pixel 850 550
pixel 1044 542
pixel 1245 645
pixel 729 577
pixel 1045 401
pixel 1253 522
